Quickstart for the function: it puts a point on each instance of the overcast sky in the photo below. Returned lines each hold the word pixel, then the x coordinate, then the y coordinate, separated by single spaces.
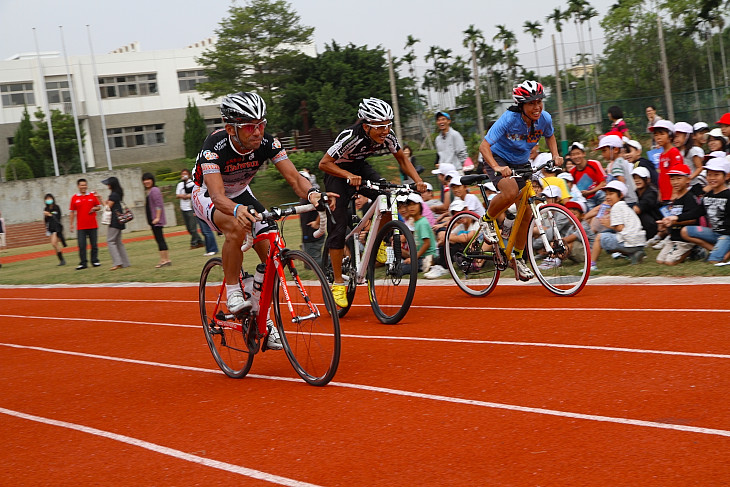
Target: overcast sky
pixel 166 24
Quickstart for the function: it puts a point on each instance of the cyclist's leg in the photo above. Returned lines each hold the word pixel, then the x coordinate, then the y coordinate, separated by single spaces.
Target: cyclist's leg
pixel 335 243
pixel 509 190
pixel 370 174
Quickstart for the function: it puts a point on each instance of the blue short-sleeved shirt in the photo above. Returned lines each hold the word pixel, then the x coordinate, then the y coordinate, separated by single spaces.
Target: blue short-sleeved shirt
pixel 510 136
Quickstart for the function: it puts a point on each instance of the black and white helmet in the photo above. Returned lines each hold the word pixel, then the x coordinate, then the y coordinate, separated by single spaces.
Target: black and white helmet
pixel 374 110
pixel 528 91
pixel 242 107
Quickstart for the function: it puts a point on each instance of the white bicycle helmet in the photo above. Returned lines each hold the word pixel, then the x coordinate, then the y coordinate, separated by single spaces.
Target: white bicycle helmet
pixel 242 107
pixel 375 110
pixel 527 91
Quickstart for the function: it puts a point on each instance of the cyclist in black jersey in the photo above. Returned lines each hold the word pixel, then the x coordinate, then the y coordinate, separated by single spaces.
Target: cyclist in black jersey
pixel 344 161
pixel 227 163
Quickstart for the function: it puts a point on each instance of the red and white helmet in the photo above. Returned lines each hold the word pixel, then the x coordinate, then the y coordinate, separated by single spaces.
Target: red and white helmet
pixel 528 91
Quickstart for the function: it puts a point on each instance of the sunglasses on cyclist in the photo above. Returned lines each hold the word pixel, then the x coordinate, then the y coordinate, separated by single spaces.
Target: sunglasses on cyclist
pixel 385 126
pixel 249 128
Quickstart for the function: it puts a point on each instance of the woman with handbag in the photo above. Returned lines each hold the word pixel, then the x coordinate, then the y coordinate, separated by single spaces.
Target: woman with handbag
pixel 155 209
pixel 113 207
pixel 54 228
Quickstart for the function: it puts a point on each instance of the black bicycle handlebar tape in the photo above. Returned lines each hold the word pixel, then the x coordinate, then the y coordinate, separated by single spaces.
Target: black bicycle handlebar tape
pixel 473 178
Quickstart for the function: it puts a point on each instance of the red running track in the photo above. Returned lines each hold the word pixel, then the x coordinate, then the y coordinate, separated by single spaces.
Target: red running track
pixel 621 385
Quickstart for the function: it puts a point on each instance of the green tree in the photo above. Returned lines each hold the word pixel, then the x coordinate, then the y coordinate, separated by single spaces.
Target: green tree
pixel 535 31
pixel 256 50
pixel 21 148
pixel 18 169
pixel 195 130
pixel 64 136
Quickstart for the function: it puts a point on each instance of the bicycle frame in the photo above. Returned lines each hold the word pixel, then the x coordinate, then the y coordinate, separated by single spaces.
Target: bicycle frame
pixel 373 215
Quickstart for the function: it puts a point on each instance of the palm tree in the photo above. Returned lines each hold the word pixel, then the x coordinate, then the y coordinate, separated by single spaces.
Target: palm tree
pixel 487 58
pixel 586 15
pixel 433 81
pixel 508 39
pixel 557 18
pixel 535 30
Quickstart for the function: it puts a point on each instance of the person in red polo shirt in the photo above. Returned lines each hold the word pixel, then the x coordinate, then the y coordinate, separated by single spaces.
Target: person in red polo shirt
pixel 588 175
pixel 84 206
pixel 664 137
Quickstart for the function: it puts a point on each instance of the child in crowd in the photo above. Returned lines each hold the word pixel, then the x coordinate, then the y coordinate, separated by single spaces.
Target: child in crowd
pixel 618 168
pixel 647 206
pixel 716 207
pixel 676 249
pixel 716 141
pixel 471 201
pixel 578 209
pixel 693 155
pixel 411 207
pixel 633 154
pixel 439 268
pixel 575 194
pixel 626 234
pixel 553 195
pixel 588 175
pixel 663 136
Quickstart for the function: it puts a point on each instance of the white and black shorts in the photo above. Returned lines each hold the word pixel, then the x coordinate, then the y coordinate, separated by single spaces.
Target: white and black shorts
pixel 205 209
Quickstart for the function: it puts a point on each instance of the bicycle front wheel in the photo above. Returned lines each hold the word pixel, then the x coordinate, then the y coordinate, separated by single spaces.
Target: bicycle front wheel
pixel 562 258
pixel 223 333
pixel 392 283
pixel 307 319
pixel 470 260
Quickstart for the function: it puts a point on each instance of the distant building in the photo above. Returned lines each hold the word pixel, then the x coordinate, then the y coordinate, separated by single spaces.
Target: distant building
pixel 143 95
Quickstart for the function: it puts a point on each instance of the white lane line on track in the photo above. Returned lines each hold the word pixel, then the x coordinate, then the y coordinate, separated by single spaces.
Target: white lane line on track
pixel 420 339
pixel 449 308
pixel 419 395
pixel 228 467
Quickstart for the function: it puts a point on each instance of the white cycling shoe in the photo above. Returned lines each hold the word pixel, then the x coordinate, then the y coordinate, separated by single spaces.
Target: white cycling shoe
pixel 274 340
pixel 236 303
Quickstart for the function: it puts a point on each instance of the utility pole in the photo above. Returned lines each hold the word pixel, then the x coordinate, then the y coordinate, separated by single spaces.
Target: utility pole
pixel 394 98
pixel 477 89
pixel 665 70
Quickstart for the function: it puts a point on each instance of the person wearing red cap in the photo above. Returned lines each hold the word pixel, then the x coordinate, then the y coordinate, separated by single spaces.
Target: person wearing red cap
pixel 663 131
pixel 724 124
pixel 676 249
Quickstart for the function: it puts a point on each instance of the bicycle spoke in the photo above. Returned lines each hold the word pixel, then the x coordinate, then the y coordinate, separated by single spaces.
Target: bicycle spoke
pixel 469 256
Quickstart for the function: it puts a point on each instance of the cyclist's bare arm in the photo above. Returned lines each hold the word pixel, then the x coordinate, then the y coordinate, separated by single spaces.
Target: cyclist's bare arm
pixel 300 185
pixel 408 169
pixel 485 149
pixel 328 165
pixel 552 144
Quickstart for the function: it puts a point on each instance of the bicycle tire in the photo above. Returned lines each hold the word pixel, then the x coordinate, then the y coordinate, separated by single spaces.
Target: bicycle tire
pixel 567 275
pixel 311 345
pixel 389 298
pixel 475 276
pixel 348 270
pixel 228 346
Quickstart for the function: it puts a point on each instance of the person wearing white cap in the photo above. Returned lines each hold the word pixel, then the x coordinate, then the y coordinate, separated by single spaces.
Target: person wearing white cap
pixel 716 207
pixel 471 201
pixel 626 234
pixel 618 167
pixel 588 175
pixel 647 206
pixel 693 155
pixel 674 249
pixel 422 234
pixel 575 194
pixel 633 153
pixel 663 131
pixel 716 141
pixel 507 146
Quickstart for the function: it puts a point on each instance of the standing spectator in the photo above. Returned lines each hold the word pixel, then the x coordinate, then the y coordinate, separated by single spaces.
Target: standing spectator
pixel 616 116
pixel 676 250
pixel 633 151
pixel 647 206
pixel 211 244
pixel 114 232
pixel 588 175
pixel 2 233
pixel 716 207
pixel 155 209
pixel 54 228
pixel 183 192
pixel 664 135
pixel 618 168
pixel 652 118
pixel 84 206
pixel 450 144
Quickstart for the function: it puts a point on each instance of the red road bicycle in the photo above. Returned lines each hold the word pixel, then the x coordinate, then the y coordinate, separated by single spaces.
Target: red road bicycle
pixel 304 310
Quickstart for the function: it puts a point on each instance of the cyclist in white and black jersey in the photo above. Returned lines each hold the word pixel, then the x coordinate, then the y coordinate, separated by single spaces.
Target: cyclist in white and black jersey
pixel 344 161
pixel 227 163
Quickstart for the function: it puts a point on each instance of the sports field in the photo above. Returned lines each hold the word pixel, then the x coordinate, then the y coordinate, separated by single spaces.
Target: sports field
pixel 115 385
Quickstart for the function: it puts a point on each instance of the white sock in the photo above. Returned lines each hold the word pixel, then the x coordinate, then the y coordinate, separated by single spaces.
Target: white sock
pixel 232 288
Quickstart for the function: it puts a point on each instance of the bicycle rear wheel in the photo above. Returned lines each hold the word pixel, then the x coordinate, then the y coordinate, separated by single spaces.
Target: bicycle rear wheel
pixel 391 290
pixel 348 272
pixel 222 331
pixel 310 329
pixel 472 267
pixel 565 265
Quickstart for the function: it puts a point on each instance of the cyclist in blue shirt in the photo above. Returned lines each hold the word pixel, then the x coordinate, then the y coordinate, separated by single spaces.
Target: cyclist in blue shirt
pixel 507 146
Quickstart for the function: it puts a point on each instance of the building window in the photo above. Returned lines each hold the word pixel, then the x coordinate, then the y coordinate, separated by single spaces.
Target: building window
pixel 137 136
pixel 212 124
pixel 188 79
pixel 58 92
pixel 129 85
pixel 17 94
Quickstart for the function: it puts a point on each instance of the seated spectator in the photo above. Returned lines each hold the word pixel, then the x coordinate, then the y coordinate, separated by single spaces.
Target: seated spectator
pixel 664 136
pixel 676 249
pixel 471 201
pixel 648 203
pixel 618 168
pixel 422 234
pixel 694 156
pixel 578 209
pixel 633 154
pixel 575 194
pixel 588 175
pixel 444 172
pixel 429 199
pixel 626 235
pixel 716 141
pixel 716 207
pixel 724 124
pixel 439 268
pixel 700 130
pixel 549 177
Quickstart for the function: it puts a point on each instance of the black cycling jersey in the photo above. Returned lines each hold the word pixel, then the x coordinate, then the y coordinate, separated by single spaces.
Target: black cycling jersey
pixel 353 144
pixel 237 170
